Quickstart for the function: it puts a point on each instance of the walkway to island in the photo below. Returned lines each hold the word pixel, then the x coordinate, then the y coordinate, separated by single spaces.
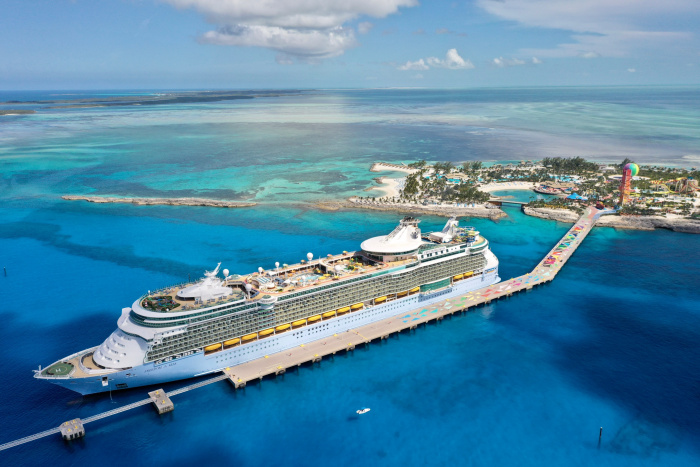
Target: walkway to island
pixel 278 363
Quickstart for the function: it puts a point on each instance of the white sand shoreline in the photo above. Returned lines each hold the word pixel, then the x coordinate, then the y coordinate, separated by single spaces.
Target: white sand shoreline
pixel 389 187
pixel 385 166
pixel 502 186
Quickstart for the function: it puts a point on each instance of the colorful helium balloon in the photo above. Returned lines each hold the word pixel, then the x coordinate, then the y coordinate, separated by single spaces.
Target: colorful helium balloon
pixel 632 167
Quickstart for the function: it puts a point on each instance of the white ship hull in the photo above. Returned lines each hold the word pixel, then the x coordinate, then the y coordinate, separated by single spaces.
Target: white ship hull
pixel 200 364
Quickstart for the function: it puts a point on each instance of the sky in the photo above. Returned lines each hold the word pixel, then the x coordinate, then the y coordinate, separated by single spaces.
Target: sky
pixel 253 44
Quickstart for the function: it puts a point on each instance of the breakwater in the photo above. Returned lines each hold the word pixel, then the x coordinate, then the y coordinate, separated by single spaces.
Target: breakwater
pixel 217 203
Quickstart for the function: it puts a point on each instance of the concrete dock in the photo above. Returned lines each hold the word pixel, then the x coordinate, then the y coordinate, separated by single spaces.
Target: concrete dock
pixel 161 401
pixel 72 429
pixel 278 363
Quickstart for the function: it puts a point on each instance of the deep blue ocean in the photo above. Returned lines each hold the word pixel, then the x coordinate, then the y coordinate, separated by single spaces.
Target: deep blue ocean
pixel 613 342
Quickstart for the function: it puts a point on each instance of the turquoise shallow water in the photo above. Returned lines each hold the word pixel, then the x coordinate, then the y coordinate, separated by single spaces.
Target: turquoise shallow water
pixel 613 342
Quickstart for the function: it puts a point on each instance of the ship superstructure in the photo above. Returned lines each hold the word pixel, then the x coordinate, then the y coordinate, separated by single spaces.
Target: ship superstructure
pixel 197 328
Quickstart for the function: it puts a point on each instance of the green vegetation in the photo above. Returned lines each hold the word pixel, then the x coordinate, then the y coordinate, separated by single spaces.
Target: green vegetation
pixel 420 188
pixel 569 166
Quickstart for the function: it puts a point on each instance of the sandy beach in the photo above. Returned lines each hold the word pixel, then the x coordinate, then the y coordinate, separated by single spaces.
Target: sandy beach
pixel 491 187
pixel 388 187
pixel 384 166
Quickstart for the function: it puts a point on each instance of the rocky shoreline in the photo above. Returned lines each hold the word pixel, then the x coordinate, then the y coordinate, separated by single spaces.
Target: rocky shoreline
pixel 620 222
pixel 217 203
pixel 442 211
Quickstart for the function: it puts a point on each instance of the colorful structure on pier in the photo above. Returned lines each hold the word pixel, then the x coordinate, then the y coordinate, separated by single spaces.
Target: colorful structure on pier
pixel 628 171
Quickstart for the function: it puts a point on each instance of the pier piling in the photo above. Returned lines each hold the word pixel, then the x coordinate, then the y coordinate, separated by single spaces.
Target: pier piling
pixel 72 429
pixel 161 401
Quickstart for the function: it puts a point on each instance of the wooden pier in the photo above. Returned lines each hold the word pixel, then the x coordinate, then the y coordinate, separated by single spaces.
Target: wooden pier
pixel 313 352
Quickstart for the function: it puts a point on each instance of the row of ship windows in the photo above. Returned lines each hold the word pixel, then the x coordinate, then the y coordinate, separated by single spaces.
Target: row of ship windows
pixel 298 334
pixel 199 339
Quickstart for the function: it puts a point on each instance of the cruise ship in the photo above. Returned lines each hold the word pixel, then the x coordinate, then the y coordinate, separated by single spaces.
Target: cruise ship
pixel 223 319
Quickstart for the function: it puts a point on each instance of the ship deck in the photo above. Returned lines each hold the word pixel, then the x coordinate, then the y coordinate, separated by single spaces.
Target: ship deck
pixel 301 276
pixel 279 282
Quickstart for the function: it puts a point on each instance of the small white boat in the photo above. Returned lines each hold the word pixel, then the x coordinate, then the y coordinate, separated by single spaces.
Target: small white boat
pixel 363 410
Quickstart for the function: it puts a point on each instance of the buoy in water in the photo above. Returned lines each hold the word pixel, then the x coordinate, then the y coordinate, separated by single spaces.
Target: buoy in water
pixel 363 410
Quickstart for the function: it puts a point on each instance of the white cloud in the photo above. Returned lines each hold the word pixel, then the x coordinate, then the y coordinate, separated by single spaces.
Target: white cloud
pixel 443 31
pixel 417 65
pixel 536 61
pixel 306 44
pixel 504 62
pixel 452 61
pixel 632 70
pixel 601 27
pixel 417 76
pixel 308 29
pixel 364 27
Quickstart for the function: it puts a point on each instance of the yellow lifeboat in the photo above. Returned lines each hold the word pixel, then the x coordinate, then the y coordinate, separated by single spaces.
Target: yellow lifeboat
pixel 232 342
pixel 249 337
pixel 282 327
pixel 458 277
pixel 313 319
pixel 467 274
pixel 298 323
pixel 212 348
pixel 380 299
pixel 402 294
pixel 414 290
pixel 266 332
pixel 328 314
pixel 345 309
pixel 357 306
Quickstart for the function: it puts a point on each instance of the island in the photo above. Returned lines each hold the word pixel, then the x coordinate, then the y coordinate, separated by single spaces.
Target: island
pixel 150 99
pixel 217 203
pixel 634 197
pixel 17 111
